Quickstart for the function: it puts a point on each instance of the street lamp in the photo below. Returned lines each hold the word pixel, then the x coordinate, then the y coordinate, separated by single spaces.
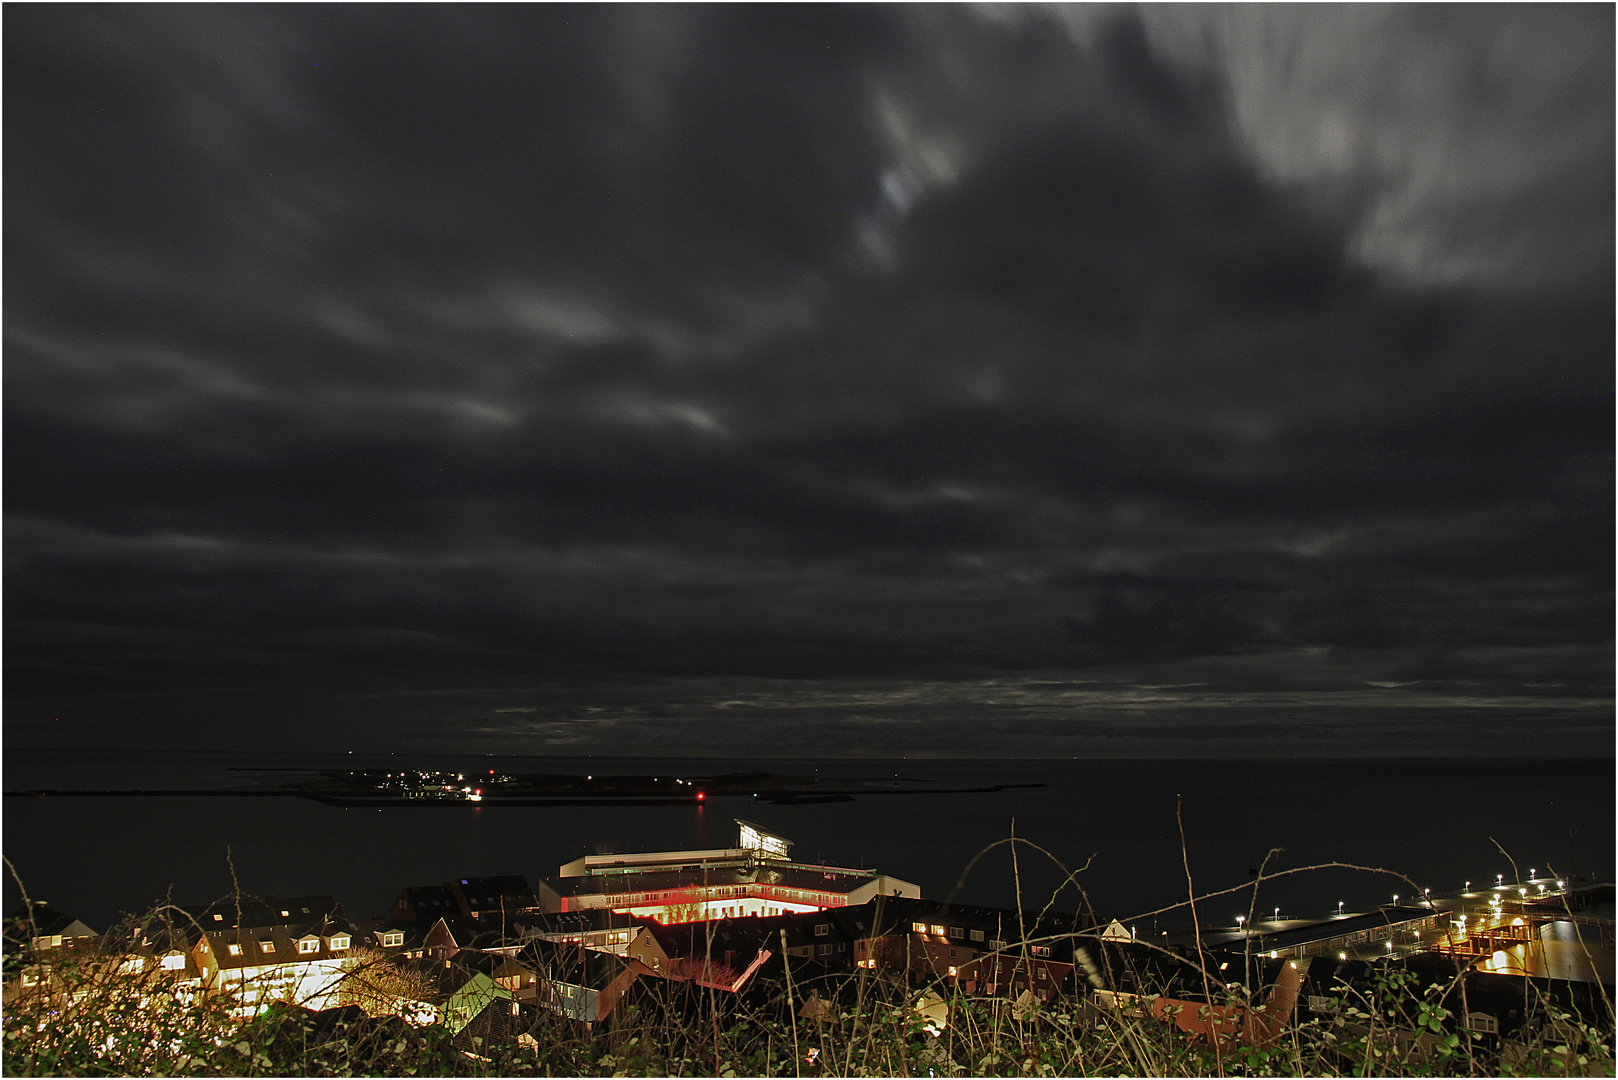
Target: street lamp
pixel 1339 907
pixel 1499 879
pixel 1240 919
pixel 1278 911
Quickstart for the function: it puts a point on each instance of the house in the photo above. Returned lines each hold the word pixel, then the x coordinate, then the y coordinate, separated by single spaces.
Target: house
pixel 580 983
pixel 423 905
pixel 723 954
pixel 493 898
pixel 46 927
pixel 474 982
pixel 296 949
pixel 976 948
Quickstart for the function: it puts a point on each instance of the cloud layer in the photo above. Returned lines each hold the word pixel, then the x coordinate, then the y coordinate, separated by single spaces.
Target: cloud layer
pixel 838 379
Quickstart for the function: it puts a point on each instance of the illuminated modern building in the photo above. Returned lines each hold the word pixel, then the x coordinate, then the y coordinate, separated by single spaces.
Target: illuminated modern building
pixel 754 878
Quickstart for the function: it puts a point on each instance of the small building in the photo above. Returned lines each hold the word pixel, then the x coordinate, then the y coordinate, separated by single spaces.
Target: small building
pixel 580 983
pixel 45 927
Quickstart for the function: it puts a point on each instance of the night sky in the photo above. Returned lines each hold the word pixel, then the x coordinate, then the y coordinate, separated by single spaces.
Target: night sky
pixel 846 380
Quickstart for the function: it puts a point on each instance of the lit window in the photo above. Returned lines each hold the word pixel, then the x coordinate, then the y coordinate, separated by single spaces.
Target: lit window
pixel 234 950
pixel 266 946
pixel 288 914
pixel 953 972
pixel 918 927
pixel 218 917
pixel 939 930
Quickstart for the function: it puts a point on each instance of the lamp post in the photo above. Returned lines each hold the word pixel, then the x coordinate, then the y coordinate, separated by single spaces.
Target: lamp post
pixel 1339 907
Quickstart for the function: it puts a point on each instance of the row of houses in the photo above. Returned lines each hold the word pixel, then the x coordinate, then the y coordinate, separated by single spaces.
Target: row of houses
pixel 499 951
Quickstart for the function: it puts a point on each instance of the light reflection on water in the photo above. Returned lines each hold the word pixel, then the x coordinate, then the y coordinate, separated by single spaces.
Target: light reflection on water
pixel 1565 950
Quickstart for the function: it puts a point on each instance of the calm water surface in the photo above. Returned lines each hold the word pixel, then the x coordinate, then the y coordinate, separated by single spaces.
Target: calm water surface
pixel 1436 821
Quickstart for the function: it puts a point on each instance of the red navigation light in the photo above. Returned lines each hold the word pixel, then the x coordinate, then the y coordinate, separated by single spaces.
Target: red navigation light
pixel 477 791
pixel 700 796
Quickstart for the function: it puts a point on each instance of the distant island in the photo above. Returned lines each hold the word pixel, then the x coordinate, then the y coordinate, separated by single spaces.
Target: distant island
pixel 427 787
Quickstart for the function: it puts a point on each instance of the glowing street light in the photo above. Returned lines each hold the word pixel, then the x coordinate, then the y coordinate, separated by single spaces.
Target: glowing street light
pixel 1339 907
pixel 1499 879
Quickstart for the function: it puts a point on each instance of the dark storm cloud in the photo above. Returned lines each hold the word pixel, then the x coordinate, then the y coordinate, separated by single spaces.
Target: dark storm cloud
pixel 584 377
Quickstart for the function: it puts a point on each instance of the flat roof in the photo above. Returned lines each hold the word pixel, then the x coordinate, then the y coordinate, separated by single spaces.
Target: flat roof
pixel 771 873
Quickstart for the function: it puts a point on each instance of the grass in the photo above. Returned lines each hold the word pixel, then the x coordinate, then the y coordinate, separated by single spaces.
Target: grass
pixel 93 1016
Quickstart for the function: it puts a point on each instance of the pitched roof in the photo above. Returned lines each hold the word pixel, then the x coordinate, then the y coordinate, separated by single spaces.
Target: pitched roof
pixel 509 893
pixel 571 964
pixel 49 920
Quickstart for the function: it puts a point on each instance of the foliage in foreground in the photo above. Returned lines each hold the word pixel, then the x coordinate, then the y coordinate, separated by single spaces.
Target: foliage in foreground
pixel 99 1019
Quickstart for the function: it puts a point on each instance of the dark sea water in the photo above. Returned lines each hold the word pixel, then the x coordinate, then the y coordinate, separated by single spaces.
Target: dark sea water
pixel 1436 821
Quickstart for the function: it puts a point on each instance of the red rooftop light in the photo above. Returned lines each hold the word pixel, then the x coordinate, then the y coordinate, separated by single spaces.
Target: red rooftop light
pixel 701 796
